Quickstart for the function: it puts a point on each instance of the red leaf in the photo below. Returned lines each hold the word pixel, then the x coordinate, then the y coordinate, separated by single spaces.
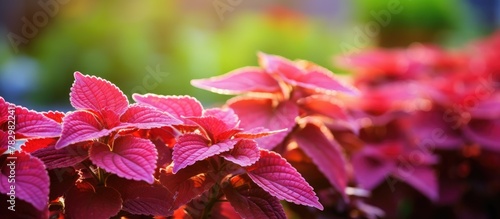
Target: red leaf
pixel 276 176
pixel 142 198
pixel 325 153
pixel 227 115
pixel 4 141
pixel 325 105
pixel 188 183
pixel 55 115
pixel 4 110
pixel 59 158
pixel 61 180
pixel 130 158
pixel 80 126
pixel 244 153
pixel 484 132
pixel 34 124
pixel 31 180
pixel 83 201
pixel 193 147
pixel 422 179
pixel 255 113
pixel 93 93
pixel 177 106
pixel 212 127
pixel 242 80
pixel 32 145
pixel 250 201
pixel 145 117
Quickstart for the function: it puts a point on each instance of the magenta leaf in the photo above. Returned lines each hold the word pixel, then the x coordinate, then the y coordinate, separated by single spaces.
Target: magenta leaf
pixel 93 93
pixel 145 117
pixel 30 179
pixel 250 201
pixel 188 183
pixel 277 177
pixel 255 113
pixel 193 147
pixel 371 167
pixel 34 124
pixel 244 153
pixel 177 106
pixel 278 65
pixel 80 126
pixel 325 153
pixel 421 178
pixel 83 201
pixel 227 115
pixel 242 80
pixel 130 157
pixel 57 158
pixel 142 198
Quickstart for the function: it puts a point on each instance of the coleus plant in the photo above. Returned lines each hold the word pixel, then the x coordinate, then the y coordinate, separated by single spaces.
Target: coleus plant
pixel 161 156
pixel 301 97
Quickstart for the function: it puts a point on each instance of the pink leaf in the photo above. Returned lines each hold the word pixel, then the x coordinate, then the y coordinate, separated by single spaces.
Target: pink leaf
pixel 34 124
pixel 31 180
pixel 325 153
pixel 244 153
pixel 130 158
pixel 255 113
pixel 250 201
pixel 227 115
pixel 422 179
pixel 93 93
pixel 242 80
pixel 258 132
pixel 59 158
pixel 80 126
pixel 193 147
pixel 145 117
pixel 322 80
pixel 177 106
pixel 278 65
pixel 142 198
pixel 83 201
pixel 188 183
pixel 276 176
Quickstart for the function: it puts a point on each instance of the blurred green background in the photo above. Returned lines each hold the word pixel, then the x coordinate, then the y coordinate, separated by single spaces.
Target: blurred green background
pixel 159 46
